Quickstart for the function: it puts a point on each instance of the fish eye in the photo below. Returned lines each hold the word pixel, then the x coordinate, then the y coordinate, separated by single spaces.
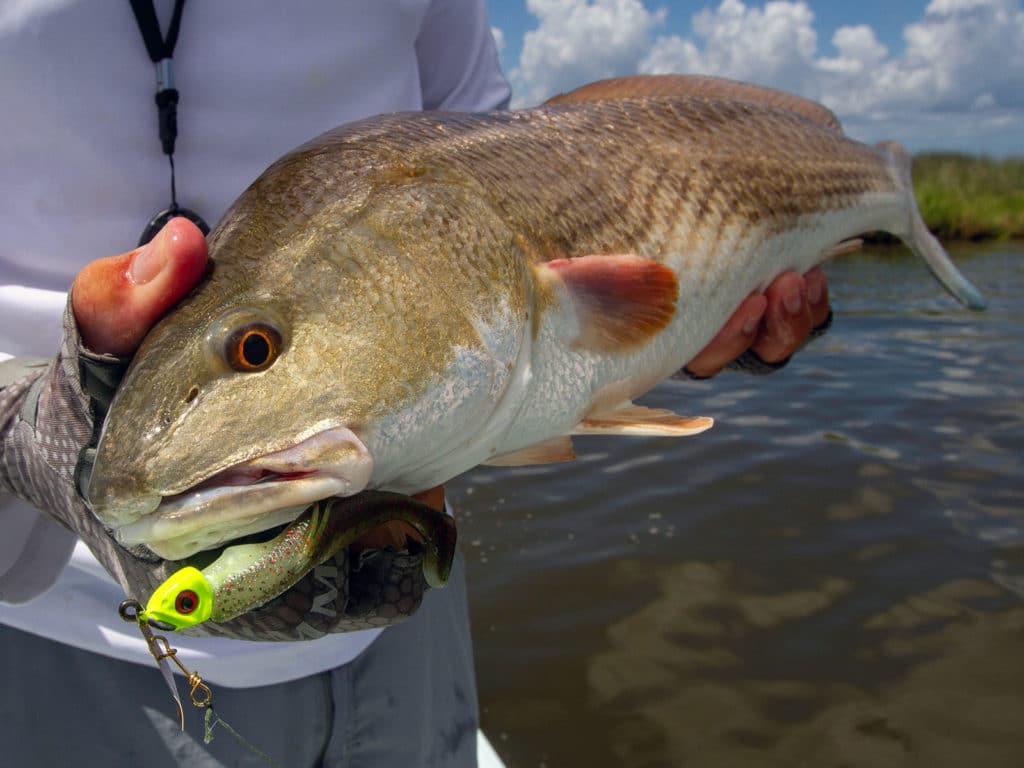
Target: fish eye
pixel 186 601
pixel 246 340
pixel 253 347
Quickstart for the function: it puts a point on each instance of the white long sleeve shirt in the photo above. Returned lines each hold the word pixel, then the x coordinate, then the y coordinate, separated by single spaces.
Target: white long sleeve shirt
pixel 83 172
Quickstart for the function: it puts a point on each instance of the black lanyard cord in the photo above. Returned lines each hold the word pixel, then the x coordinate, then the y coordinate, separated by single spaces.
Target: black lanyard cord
pixel 158 47
pixel 160 52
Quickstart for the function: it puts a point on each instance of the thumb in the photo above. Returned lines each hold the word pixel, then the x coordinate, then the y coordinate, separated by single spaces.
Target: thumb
pixel 117 300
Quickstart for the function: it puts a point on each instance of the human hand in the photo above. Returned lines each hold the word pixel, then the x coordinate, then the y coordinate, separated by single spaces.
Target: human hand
pixel 116 300
pixel 773 324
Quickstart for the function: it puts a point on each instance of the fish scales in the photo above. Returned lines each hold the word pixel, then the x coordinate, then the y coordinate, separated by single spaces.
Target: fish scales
pixel 450 289
pixel 657 188
pixel 764 171
pixel 610 169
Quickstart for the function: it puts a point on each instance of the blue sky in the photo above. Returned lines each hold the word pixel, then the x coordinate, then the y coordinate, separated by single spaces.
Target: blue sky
pixel 933 74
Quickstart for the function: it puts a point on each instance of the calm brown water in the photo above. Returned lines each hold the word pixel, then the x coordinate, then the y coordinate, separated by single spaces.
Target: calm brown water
pixel 832 576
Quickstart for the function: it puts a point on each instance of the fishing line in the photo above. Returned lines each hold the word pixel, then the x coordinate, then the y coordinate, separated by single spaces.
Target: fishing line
pixel 200 693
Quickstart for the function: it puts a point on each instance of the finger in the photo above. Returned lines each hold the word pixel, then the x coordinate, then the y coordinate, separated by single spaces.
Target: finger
pixel 787 319
pixel 732 340
pixel 817 296
pixel 116 300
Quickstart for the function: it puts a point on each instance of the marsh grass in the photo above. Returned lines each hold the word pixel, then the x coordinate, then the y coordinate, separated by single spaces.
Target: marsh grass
pixel 965 197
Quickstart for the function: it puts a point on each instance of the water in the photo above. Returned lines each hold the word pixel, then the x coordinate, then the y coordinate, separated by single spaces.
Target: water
pixel 832 576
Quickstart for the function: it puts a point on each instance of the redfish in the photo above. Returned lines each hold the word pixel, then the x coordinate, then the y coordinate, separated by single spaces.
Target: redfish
pixel 409 296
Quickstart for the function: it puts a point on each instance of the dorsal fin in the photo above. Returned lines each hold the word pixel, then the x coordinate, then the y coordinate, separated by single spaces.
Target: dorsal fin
pixel 697 86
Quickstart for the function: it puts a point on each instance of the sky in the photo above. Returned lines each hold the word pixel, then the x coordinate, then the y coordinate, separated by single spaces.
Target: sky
pixel 943 75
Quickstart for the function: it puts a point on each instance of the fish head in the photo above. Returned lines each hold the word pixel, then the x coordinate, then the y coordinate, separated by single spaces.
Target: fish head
pixel 223 426
pixel 321 338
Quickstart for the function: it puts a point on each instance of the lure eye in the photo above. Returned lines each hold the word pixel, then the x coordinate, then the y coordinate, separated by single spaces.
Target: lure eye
pixel 252 348
pixel 186 602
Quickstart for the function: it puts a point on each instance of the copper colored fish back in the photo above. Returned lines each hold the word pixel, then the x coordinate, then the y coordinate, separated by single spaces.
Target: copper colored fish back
pixel 620 176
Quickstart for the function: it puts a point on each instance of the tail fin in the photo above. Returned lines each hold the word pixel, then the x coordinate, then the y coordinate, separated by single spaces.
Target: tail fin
pixel 922 242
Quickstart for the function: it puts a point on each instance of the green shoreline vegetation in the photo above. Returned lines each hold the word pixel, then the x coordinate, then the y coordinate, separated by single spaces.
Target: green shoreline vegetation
pixel 967 197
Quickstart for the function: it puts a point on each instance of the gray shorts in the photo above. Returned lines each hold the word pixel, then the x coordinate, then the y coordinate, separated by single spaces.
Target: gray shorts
pixel 408 700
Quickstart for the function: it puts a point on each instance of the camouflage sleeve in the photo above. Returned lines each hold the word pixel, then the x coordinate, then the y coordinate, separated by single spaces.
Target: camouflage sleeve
pixel 49 423
pixel 45 421
pixel 47 418
pixel 34 548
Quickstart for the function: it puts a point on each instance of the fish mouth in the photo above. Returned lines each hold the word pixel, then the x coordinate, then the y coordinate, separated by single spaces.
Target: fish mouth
pixel 253 496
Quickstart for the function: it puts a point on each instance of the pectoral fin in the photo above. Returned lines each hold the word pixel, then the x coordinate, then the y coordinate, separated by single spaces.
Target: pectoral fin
pixel 549 452
pixel 640 421
pixel 621 301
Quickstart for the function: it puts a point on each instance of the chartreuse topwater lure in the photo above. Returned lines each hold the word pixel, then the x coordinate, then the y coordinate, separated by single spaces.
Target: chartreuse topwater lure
pixel 246 576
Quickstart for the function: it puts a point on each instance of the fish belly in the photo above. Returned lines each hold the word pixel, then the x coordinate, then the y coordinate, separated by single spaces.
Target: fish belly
pixel 568 382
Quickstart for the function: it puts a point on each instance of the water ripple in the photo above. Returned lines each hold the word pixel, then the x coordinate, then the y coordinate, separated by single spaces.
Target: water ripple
pixel 822 578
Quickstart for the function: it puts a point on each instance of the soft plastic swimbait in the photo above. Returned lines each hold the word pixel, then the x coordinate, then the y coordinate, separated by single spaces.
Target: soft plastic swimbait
pixel 246 576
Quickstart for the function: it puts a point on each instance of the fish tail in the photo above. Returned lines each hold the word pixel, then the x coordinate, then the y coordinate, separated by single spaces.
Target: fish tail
pixel 921 241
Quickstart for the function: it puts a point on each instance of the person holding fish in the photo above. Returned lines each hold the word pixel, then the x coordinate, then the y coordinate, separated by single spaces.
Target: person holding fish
pixel 82 154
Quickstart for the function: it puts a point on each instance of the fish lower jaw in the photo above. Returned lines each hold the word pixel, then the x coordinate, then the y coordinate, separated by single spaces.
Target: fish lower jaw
pixel 253 496
pixel 206 518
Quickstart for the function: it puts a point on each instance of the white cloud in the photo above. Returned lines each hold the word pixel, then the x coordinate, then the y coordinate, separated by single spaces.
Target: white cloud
pixel 964 47
pixel 984 101
pixel 577 41
pixel 952 6
pixel 959 49
pixel 859 51
pixel 963 60
pixel 746 43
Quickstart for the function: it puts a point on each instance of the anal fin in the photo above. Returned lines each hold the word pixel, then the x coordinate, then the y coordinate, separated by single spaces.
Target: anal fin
pixel 549 452
pixel 638 420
